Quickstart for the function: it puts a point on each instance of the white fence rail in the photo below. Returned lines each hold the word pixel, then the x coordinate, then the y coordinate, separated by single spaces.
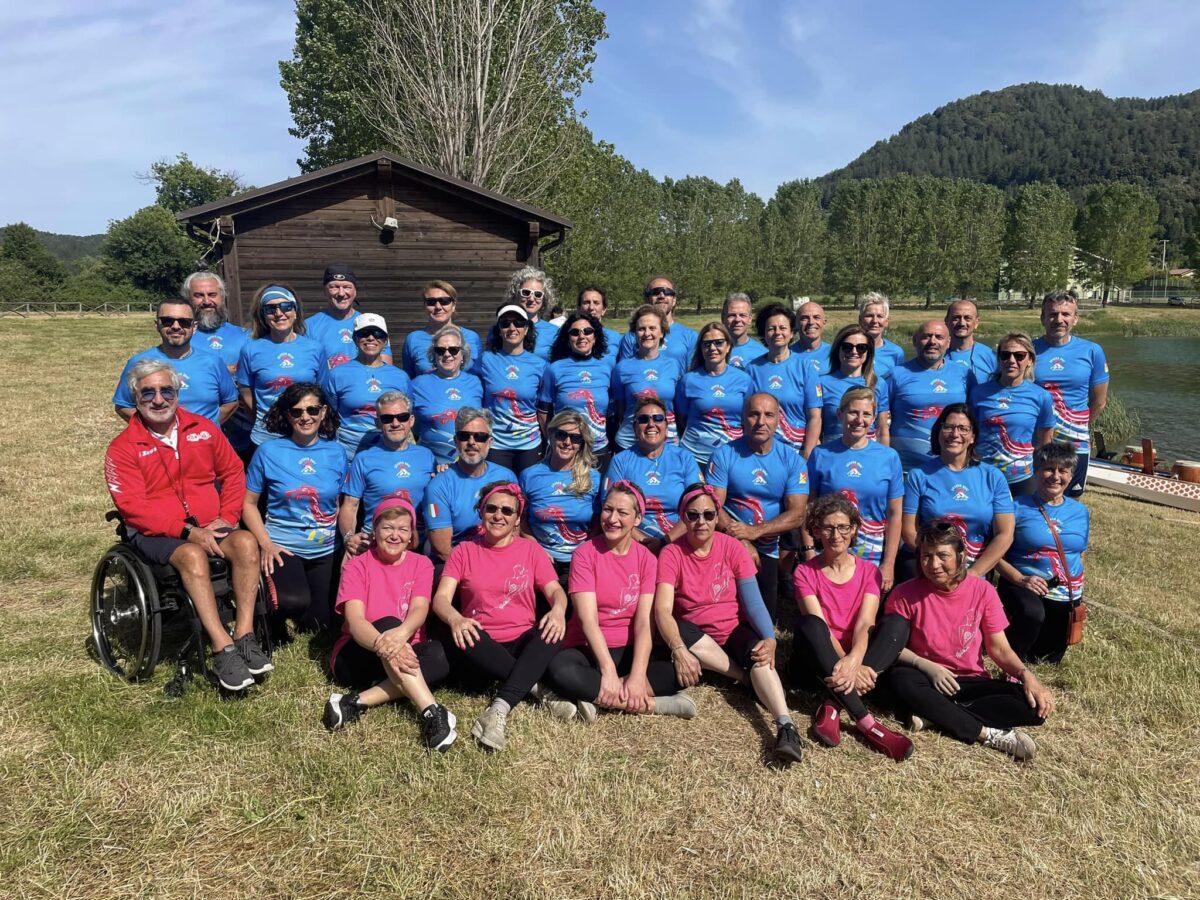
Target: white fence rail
pixel 26 310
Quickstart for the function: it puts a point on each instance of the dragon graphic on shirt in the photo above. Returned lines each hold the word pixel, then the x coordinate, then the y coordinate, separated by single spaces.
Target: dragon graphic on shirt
pixel 556 515
pixel 510 396
pixel 515 585
pixel 722 576
pixel 316 520
pixel 594 415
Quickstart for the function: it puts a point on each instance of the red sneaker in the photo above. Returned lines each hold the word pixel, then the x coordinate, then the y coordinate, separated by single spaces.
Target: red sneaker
pixel 889 743
pixel 827 725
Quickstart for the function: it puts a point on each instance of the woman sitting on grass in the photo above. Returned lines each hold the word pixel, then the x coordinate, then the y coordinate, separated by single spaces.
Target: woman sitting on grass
pixel 953 618
pixel 498 631
pixel 711 615
pixel 383 653
pixel 607 662
pixel 837 634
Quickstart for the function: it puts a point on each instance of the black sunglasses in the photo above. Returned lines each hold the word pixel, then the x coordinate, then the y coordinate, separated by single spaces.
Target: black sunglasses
pixel 438 301
pixel 447 351
pixel 576 439
pixel 146 395
pixel 389 418
pixel 492 508
pixel 284 306
pixel 1018 355
pixel 647 418
pixel 660 292
pixel 695 515
pixel 374 333
pixel 479 437
pixel 714 344
pixel 181 321
pixel 582 332
pixel 854 349
pixel 512 323
pixel 297 411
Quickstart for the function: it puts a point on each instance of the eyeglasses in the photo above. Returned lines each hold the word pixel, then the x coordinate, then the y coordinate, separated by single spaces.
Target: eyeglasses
pixel 439 301
pixel 284 306
pixel 447 351
pixel 714 344
pixel 492 508
pixel 512 323
pixel 695 515
pixel 530 292
pixel 181 321
pixel 582 332
pixel 647 418
pixel 661 292
pixel 957 429
pixel 1018 355
pixel 479 437
pixel 372 333
pixel 843 530
pixel 389 418
pixel 574 437
pixel 854 349
pixel 297 411
pixel 147 395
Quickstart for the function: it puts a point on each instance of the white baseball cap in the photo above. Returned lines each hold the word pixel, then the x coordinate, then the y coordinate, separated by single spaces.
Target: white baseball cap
pixel 370 320
pixel 515 310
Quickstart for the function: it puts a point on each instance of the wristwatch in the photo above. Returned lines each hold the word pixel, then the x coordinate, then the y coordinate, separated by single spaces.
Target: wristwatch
pixel 187 530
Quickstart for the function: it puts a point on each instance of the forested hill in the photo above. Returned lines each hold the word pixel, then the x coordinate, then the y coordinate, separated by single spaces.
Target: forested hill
pixel 1058 133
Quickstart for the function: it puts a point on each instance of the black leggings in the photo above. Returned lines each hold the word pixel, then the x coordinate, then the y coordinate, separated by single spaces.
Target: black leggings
pixel 517 664
pixel 359 668
pixel 1079 478
pixel 304 590
pixel 516 460
pixel 980 701
pixel 813 639
pixel 575 674
pixel 1037 627
pixel 1023 488
pixel 768 584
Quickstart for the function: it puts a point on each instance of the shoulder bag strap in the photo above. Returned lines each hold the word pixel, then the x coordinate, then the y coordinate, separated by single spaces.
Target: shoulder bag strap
pixel 1062 555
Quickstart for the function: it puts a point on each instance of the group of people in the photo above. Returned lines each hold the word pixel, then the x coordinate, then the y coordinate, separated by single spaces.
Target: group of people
pixel 596 519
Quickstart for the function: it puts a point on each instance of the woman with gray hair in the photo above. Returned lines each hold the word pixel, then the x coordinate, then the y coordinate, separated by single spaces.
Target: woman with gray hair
pixel 438 396
pixel 534 290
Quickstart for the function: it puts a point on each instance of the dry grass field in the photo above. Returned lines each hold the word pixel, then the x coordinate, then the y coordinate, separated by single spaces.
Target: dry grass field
pixel 111 790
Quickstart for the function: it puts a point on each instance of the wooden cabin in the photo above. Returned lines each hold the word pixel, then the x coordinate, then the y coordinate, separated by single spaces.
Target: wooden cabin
pixel 445 228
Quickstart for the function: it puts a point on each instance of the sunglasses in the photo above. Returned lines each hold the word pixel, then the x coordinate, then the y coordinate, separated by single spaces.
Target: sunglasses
pixel 492 508
pixel 284 306
pixel 576 439
pixel 373 333
pixel 512 323
pixel 147 395
pixel 389 418
pixel 582 332
pixel 660 292
pixel 1018 355
pixel 447 351
pixel 529 292
pixel 693 515
pixel 479 437
pixel 854 349
pixel 181 321
pixel 714 344
pixel 297 411
pixel 647 418
pixel 438 301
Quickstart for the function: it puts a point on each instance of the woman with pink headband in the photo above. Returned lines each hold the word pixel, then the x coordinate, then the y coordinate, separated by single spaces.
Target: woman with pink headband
pixel 498 630
pixel 383 653
pixel 607 657
pixel 711 615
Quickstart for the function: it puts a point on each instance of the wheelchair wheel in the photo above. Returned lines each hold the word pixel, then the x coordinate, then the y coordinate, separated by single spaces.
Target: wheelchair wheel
pixel 126 623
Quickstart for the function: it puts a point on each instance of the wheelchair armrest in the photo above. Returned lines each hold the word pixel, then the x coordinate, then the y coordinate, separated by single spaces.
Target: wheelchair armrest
pixel 114 515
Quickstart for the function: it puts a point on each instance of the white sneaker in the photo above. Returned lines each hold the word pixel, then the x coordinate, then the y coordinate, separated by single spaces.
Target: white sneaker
pixel 556 705
pixel 916 723
pixel 587 711
pixel 1016 744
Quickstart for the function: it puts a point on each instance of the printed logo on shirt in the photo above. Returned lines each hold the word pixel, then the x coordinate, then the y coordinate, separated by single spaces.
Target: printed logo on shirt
pixel 512 373
pixel 653 478
pixel 195 436
pixel 960 492
pixel 149 452
pixel 720 585
pixel 453 393
pixel 759 476
pixel 374 386
pixel 559 488
pixel 402 469
pixel 1058 364
pixel 286 360
pixel 774 382
pixel 215 342
pixel 967 631
pixel 308 465
pixel 939 386
pixel 854 469
pixel 346 335
pixel 585 376
pixel 1003 401
pixel 183 381
pixel 630 594
pixel 718 390
pixel 803 477
pixel 820 392
pixel 651 374
pixel 514 585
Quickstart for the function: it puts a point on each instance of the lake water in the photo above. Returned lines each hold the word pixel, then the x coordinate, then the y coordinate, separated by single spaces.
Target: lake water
pixel 1159 377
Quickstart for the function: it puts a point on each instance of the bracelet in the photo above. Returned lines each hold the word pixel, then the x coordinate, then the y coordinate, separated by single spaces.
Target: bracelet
pixel 674 650
pixel 808 547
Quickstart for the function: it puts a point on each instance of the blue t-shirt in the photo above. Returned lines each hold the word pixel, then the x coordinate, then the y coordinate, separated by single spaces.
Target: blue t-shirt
pixel 743 354
pixel 636 378
pixel 583 385
pixel 793 384
pixel 336 336
pixel 1034 552
pixel 451 498
pixel 662 480
pixel 545 334
pixel 226 341
pixel 301 485
pixel 980 359
pixel 970 499
pixel 558 517
pixel 711 406
pixel 268 369
pixel 378 472
pixel 756 484
pixel 833 387
pixel 353 389
pixel 891 353
pixel 436 402
pixel 204 382
pixel 868 477
pixel 612 348
pixel 917 397
pixel 1069 372
pixel 510 390
pixel 679 343
pixel 1009 418
pixel 817 359
pixel 414 359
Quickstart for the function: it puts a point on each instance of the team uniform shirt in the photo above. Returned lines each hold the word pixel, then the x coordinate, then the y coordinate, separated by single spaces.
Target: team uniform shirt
pixel 227 342
pixel 1069 373
pixel 378 472
pixel 816 359
pixel 336 337
pixel 970 499
pixel 634 379
pixel 301 485
pixel 583 385
pixel 839 603
pixel 796 389
pixel 832 389
pixel 743 354
pixel 980 359
pixel 496 584
pixel 204 382
pixel 662 480
pixel 1009 418
pixel 949 629
pixel 353 389
pixel 452 497
pixel 386 591
pixel 890 354
pixel 545 333
pixel 436 402
pixel 712 409
pixel 1034 552
pixel 706 589
pixel 917 397
pixel 510 391
pixel 612 345
pixel 868 477
pixel 756 484
pixel 558 517
pixel 679 344
pixel 617 581
pixel 414 358
pixel 268 369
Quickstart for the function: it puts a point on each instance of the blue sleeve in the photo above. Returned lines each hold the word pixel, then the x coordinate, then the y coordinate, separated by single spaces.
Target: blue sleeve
pixel 437 506
pixel 812 391
pixel 882 395
pixel 1099 366
pixel 406 362
pixel 356 482
pixel 256 472
pixel 1045 417
pixel 814 474
pixel 226 390
pixel 121 396
pixel 1002 501
pixel 718 468
pixel 756 611
pixel 895 478
pixel 797 476
pixel 242 375
pixel 546 389
pixel 912 491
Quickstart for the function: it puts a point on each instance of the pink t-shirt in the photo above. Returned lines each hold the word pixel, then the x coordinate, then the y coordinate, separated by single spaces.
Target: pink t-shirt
pixel 496 584
pixel 948 629
pixel 617 582
pixel 839 602
pixel 706 589
pixel 384 590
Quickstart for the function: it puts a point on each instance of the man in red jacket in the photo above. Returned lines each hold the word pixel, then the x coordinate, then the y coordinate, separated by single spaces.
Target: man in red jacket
pixel 179 486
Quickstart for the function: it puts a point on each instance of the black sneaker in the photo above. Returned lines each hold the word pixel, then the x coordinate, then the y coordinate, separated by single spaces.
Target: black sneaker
pixel 437 728
pixel 788 747
pixel 230 669
pixel 253 656
pixel 341 710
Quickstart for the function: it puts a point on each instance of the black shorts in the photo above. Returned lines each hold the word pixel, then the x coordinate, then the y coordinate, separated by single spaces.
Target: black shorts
pixel 737 646
pixel 157 549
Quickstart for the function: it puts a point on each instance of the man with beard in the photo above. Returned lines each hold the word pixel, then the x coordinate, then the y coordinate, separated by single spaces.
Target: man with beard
pixel 205 291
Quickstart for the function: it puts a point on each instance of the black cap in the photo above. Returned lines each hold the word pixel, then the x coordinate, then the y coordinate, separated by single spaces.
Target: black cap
pixel 339 272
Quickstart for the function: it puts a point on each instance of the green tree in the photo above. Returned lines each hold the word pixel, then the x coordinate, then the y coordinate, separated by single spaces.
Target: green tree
pixel 975 260
pixel 21 245
pixel 855 215
pixel 1039 240
pixel 149 250
pixel 182 184
pixel 1116 226
pixel 793 234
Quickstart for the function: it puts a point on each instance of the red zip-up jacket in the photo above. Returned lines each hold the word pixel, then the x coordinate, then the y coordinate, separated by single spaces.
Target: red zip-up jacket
pixel 149 485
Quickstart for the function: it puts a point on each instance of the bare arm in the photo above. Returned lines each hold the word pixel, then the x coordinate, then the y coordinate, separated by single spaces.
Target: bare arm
pixel 883 429
pixel 1097 400
pixel 354 539
pixel 1004 525
pixel 227 410
pixel 908 529
pixel 812 432
pixel 440 539
pixel 1003 655
pixel 125 412
pixel 891 542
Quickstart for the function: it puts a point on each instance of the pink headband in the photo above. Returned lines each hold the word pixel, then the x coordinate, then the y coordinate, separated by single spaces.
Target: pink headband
pixel 506 488
pixel 704 490
pixel 399 501
pixel 629 487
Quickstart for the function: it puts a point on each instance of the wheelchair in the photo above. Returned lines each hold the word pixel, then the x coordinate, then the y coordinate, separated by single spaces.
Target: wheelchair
pixel 134 602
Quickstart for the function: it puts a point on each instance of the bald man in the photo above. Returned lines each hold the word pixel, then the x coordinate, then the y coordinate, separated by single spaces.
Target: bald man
pixel 962 318
pixel 810 327
pixel 920 389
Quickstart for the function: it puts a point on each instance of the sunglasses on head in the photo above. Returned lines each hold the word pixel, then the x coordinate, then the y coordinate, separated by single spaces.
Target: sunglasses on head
pixel 513 323
pixel 530 292
pixel 147 395
pixel 447 351
pixel 389 418
pixel 1018 355
pixel 573 437
pixel 647 418
pixel 695 515
pixel 479 437
pixel 438 301
pixel 586 331
pixel 373 333
pixel 297 411
pixel 181 321
pixel 661 292
pixel 283 306
pixel 854 349
pixel 492 508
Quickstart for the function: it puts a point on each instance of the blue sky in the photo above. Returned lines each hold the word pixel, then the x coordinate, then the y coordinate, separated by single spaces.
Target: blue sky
pixel 756 90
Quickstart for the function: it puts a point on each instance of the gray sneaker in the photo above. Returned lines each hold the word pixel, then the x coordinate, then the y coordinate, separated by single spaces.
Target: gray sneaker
pixel 489 729
pixel 253 656
pixel 230 669
pixel 587 711
pixel 556 705
pixel 916 723
pixel 1016 744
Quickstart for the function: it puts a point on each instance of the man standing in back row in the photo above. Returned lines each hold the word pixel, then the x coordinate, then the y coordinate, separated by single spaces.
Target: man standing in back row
pixel 810 327
pixel 920 389
pixel 680 342
pixel 962 318
pixel 205 291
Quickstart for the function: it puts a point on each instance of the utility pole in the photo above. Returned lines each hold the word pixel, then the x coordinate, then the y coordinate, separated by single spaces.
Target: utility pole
pixel 1164 268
